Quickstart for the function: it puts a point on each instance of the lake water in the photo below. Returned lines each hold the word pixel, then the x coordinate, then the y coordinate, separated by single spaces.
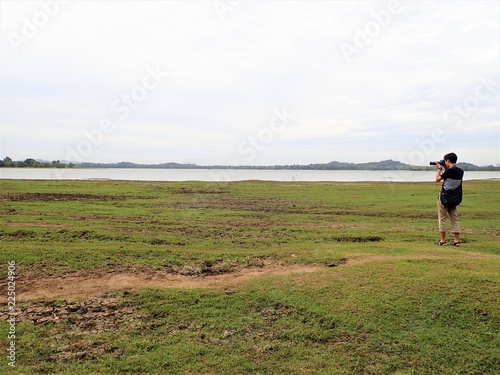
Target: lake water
pixel 221 175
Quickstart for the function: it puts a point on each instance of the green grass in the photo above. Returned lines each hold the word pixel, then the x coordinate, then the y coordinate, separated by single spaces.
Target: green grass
pixel 403 306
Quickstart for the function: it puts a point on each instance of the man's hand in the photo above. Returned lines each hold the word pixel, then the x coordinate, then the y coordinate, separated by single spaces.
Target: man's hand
pixel 438 172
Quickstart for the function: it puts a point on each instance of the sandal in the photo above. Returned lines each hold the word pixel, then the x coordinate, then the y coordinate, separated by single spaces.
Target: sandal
pixel 457 244
pixel 442 243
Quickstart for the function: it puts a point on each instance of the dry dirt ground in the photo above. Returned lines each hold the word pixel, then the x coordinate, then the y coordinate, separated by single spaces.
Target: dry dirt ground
pixel 84 284
pixel 90 301
pixel 92 283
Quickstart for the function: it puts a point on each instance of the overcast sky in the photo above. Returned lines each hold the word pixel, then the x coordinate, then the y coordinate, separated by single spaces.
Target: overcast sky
pixel 250 82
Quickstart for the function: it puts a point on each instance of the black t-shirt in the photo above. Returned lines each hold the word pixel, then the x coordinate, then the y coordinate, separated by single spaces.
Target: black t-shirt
pixel 452 178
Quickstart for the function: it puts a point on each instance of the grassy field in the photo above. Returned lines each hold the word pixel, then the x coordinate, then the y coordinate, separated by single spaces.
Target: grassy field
pixel 383 298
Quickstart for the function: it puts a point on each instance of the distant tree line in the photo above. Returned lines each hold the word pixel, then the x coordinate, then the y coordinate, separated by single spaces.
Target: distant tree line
pixel 388 165
pixel 32 163
pixel 331 166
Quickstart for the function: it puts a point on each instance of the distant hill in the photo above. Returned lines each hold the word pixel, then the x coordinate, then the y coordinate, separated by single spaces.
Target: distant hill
pixel 124 164
pixel 337 165
pixel 333 165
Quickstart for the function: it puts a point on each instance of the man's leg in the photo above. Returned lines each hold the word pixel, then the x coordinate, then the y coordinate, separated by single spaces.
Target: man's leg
pixel 455 224
pixel 442 214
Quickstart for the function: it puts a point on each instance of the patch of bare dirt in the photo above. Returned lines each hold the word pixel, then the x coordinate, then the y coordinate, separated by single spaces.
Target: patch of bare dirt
pixel 31 197
pixel 71 322
pixel 91 315
pixel 36 224
pixel 84 284
pixel 260 204
pixel 209 189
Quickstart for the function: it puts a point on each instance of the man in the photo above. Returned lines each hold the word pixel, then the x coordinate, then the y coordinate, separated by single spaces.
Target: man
pixel 450 196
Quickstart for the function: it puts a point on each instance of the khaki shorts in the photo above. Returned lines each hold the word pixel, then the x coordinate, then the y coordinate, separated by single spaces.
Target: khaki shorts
pixel 443 213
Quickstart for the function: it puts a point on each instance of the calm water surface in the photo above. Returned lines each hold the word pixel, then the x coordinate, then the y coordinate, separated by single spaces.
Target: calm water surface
pixel 220 175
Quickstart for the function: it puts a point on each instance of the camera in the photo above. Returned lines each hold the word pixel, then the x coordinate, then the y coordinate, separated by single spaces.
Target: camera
pixel 441 162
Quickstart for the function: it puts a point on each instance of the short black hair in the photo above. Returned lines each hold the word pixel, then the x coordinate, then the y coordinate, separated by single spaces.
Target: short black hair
pixel 452 157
